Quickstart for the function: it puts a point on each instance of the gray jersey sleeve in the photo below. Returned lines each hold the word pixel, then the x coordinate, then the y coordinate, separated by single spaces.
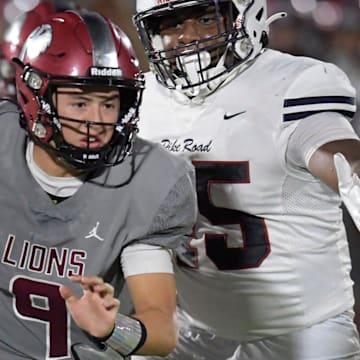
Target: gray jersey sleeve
pixel 177 214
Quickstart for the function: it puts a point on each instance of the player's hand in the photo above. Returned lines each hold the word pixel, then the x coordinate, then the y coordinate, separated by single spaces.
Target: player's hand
pixel 95 311
pixel 349 187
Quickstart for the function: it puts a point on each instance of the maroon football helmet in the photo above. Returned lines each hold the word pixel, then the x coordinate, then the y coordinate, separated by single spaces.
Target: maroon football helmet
pixel 15 35
pixel 78 48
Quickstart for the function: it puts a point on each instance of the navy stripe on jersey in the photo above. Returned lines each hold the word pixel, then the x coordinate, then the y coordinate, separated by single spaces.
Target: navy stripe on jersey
pixel 320 100
pixel 295 109
pixel 304 114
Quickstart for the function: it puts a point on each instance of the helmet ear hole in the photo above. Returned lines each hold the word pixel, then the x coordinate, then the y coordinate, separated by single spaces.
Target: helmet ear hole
pixel 264 40
pixel 260 14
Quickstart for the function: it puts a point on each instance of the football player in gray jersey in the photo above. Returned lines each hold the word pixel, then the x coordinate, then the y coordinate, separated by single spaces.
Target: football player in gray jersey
pixel 86 205
pixel 268 267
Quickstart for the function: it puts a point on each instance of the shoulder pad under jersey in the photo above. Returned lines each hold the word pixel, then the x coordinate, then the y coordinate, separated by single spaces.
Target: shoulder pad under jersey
pixel 321 87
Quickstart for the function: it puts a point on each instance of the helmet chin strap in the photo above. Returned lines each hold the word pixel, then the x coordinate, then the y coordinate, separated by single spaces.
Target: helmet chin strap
pixel 194 66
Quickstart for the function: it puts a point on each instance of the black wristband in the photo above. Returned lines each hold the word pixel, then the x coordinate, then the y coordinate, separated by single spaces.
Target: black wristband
pixel 142 339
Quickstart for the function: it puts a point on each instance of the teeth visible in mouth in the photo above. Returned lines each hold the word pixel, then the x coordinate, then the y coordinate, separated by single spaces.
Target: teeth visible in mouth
pixel 92 139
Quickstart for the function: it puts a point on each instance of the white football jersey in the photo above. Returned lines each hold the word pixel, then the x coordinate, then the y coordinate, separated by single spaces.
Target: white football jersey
pixel 269 254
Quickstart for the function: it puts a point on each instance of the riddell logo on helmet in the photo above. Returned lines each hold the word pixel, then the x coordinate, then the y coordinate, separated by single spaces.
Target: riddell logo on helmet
pixel 95 71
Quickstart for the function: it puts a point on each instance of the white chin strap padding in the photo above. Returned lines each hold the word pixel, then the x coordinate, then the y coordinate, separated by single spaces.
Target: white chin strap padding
pixel 192 66
pixel 349 187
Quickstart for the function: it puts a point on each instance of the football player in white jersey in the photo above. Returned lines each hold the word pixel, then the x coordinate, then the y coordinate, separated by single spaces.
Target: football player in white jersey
pixel 273 147
pixel 83 209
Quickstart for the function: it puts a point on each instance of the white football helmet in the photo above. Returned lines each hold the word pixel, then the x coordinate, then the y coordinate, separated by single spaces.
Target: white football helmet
pixel 191 68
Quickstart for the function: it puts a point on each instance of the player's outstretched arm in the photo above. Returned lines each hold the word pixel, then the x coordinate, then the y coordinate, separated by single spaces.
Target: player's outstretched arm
pixel 154 299
pixel 151 283
pixel 338 165
pixel 349 187
pixel 151 330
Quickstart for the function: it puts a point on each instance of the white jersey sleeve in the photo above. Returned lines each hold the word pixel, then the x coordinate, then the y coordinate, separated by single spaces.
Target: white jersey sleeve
pixel 315 131
pixel 321 87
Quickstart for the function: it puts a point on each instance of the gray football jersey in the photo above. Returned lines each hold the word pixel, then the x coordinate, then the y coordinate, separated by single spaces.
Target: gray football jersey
pixel 149 198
